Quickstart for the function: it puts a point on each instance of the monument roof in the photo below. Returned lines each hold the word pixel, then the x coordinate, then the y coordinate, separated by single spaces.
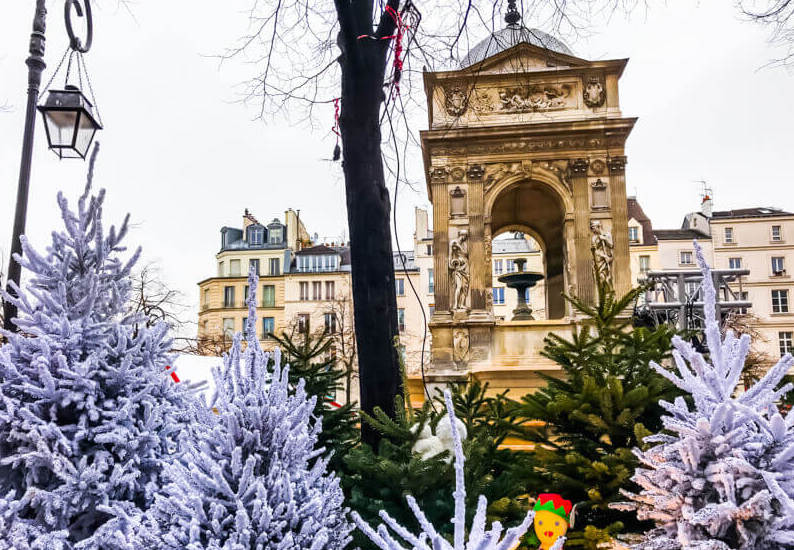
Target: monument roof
pixel 510 36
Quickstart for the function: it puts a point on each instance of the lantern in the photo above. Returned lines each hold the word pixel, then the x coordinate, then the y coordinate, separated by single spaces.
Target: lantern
pixel 70 122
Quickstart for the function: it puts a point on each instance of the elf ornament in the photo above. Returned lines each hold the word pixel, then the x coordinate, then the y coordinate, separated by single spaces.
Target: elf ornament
pixel 552 519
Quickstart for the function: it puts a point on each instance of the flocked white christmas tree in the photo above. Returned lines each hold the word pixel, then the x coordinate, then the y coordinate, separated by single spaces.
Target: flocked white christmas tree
pixel 252 477
pixel 429 539
pixel 88 413
pixel 723 474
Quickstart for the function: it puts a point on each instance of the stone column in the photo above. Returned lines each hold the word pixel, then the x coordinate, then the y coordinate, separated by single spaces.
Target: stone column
pixel 477 245
pixel 621 266
pixel 438 181
pixel 585 282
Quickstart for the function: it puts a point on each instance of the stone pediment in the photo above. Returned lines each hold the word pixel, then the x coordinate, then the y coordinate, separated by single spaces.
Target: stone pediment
pixel 522 58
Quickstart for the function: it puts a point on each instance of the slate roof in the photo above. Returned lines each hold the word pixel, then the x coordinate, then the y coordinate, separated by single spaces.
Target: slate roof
pixel 679 235
pixel 758 212
pixel 318 250
pixel 635 211
pixel 508 37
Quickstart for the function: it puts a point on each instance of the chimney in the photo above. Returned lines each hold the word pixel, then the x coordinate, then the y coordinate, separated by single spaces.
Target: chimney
pixel 707 206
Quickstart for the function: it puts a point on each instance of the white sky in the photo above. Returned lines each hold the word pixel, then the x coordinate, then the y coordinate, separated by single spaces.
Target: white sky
pixel 185 158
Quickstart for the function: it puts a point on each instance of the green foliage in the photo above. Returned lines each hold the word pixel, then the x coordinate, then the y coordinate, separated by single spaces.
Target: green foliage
pixel 604 406
pixel 379 480
pixel 310 359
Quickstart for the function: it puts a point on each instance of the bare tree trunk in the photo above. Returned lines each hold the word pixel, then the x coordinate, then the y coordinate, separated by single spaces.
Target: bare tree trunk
pixel 363 63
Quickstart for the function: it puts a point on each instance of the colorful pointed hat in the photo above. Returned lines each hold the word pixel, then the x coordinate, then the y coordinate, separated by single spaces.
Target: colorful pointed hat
pixel 555 504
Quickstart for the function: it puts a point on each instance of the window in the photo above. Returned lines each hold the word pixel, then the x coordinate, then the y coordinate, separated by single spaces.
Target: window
pixel 728 235
pixel 777 234
pixel 245 294
pixel 735 263
pixel 304 291
pixel 777 266
pixel 253 264
pixel 497 267
pixel 780 301
pixel 245 327
pixel 255 236
pixel 330 322
pixel 228 327
pixel 228 296
pixel 317 290
pixel 686 257
pixel 431 281
pixel 275 235
pixel 234 268
pixel 275 266
pixel 785 340
pixel 303 322
pixel 400 286
pixel 429 249
pixel 205 325
pixel 401 319
pixel 330 290
pixel 499 296
pixel 268 326
pixel 645 264
pixel 221 273
pixel 510 265
pixel 206 297
pixel 634 234
pixel 692 289
pixel 268 296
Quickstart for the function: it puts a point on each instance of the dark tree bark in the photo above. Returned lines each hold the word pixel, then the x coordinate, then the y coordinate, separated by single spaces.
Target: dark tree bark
pixel 363 63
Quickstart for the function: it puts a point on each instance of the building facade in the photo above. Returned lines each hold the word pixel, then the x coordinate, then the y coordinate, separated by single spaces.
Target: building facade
pixel 760 240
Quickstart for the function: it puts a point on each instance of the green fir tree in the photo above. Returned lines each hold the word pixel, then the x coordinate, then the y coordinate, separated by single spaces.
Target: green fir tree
pixel 602 408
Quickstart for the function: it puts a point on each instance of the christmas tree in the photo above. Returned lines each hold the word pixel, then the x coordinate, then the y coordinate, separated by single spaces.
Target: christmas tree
pixel 310 359
pixel 592 418
pixel 251 476
pixel 429 536
pixel 413 457
pixel 722 474
pixel 88 412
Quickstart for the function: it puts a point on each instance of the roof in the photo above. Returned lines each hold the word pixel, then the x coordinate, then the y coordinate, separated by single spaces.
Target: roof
pixel 410 265
pixel 635 211
pixel 510 36
pixel 511 246
pixel 758 212
pixel 318 250
pixel 679 235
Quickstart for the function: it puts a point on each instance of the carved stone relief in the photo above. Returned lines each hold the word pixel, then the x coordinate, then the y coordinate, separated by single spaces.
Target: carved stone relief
pixel 597 167
pixel 602 246
pixel 459 270
pixel 460 346
pixel 617 165
pixel 527 146
pixel 594 94
pixel 560 168
pixel 457 202
pixel 476 172
pixel 599 194
pixel 438 175
pixel 528 99
pixel 495 172
pixel 457 173
pixel 579 166
pixel 456 100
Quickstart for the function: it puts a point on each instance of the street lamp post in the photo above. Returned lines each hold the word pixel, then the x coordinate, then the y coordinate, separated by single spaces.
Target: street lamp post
pixel 70 121
pixel 36 65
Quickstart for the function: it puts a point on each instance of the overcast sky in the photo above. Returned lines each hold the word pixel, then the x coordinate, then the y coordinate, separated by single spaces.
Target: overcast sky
pixel 185 158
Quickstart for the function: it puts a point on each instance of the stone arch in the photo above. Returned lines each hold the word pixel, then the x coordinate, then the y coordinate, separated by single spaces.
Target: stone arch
pixel 541 207
pixel 536 174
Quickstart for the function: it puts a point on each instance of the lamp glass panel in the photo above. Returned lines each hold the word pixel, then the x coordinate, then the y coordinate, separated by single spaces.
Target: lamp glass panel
pixel 60 127
pixel 85 134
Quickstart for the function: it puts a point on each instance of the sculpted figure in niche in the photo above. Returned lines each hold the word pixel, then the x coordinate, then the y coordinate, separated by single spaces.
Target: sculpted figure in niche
pixel 460 346
pixel 459 269
pixel 602 247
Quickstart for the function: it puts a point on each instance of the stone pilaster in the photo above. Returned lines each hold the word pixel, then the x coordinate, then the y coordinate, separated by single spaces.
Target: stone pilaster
pixel 438 179
pixel 585 283
pixel 621 266
pixel 477 245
